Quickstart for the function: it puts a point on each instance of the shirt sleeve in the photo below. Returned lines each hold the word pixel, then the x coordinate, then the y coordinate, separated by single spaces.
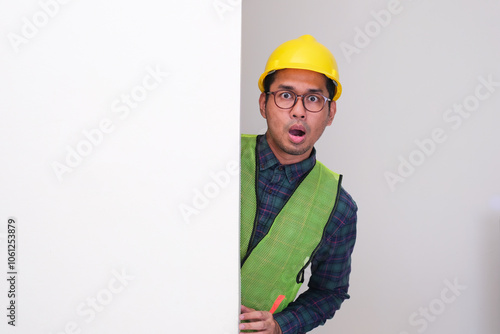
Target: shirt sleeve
pixel 330 269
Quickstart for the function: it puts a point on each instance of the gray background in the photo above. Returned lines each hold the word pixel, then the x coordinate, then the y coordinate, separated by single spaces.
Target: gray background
pixel 442 223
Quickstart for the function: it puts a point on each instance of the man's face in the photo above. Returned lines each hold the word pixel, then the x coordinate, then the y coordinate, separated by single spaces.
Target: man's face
pixel 292 133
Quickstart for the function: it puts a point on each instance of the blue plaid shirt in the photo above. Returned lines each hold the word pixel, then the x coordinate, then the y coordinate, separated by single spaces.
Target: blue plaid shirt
pixel 331 265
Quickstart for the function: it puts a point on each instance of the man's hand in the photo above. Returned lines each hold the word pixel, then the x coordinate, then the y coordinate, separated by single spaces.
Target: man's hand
pixel 260 321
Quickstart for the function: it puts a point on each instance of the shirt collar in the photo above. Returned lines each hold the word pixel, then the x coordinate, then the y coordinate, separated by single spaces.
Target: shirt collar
pixel 293 172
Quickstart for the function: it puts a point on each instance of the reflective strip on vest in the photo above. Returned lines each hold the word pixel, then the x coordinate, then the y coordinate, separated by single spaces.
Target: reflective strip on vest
pixel 276 264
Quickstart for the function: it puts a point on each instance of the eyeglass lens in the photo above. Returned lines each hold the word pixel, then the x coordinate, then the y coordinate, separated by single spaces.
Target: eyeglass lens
pixel 287 99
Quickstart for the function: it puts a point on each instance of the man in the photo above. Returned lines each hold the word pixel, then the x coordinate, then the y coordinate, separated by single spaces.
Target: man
pixel 294 211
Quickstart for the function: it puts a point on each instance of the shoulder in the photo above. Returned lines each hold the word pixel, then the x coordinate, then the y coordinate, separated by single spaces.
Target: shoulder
pixel 343 219
pixel 346 206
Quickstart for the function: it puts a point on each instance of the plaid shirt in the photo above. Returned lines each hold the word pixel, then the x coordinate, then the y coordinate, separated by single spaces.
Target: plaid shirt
pixel 331 265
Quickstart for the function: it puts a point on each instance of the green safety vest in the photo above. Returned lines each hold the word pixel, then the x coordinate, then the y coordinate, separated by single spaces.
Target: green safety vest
pixel 275 266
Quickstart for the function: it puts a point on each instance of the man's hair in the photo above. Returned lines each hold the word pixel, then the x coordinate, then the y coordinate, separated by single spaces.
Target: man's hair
pixel 269 79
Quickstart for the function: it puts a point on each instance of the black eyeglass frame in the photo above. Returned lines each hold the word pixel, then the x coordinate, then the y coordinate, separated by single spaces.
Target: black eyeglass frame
pixel 297 97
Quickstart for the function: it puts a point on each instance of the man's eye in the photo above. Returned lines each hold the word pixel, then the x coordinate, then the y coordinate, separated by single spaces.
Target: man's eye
pixel 313 98
pixel 286 95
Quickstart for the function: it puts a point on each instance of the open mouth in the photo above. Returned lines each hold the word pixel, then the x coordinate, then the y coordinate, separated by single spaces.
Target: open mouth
pixel 297 134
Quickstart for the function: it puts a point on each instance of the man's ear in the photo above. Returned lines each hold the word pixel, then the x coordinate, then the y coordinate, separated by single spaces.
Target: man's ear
pixel 333 110
pixel 262 104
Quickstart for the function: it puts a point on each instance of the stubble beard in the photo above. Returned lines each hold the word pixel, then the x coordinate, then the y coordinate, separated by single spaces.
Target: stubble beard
pixel 294 150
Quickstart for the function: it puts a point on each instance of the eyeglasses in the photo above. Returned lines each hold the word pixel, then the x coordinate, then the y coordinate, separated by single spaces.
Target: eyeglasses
pixel 312 102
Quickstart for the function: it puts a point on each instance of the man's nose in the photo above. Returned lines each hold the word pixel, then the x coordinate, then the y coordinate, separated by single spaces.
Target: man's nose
pixel 298 110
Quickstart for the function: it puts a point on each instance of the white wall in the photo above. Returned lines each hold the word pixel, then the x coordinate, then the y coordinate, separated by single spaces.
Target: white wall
pixel 439 222
pixel 103 246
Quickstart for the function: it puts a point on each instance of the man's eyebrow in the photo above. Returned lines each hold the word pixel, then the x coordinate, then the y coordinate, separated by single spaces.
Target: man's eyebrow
pixel 310 90
pixel 286 87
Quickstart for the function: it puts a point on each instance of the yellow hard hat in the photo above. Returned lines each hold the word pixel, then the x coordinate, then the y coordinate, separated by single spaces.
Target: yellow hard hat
pixel 303 53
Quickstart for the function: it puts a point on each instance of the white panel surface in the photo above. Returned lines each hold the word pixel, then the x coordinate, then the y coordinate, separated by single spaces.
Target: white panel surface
pixel 119 138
